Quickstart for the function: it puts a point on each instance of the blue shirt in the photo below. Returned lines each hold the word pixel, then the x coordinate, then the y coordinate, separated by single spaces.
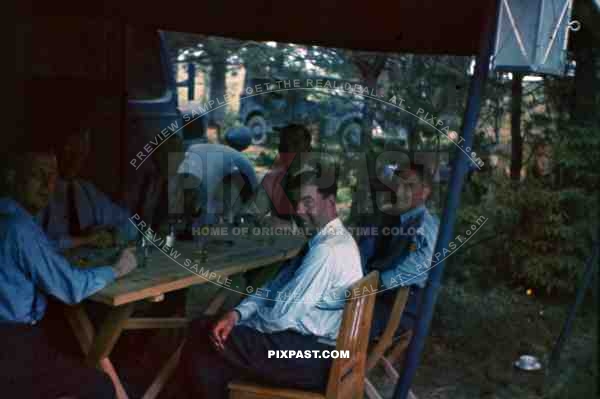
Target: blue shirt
pixel 30 269
pixel 419 229
pixel 308 294
pixel 93 209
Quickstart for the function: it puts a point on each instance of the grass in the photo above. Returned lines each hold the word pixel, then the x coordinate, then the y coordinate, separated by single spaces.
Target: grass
pixel 477 334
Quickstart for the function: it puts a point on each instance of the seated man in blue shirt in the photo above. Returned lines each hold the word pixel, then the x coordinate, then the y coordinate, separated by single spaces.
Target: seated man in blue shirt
pixel 403 250
pixel 294 311
pixel 31 270
pixel 78 214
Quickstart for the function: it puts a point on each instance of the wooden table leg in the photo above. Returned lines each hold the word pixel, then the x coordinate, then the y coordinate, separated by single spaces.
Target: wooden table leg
pixel 171 364
pixel 165 373
pixel 109 333
pixel 371 391
pixel 84 331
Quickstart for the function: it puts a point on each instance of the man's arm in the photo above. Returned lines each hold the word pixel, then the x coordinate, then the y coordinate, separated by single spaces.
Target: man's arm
pixel 391 258
pixel 309 286
pixel 108 213
pixel 409 264
pixel 100 238
pixel 52 273
pixel 252 303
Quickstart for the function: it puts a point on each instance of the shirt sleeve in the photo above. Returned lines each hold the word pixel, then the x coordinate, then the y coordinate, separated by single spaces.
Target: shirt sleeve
pixel 52 273
pixel 250 305
pixel 63 242
pixel 60 242
pixel 411 267
pixel 109 213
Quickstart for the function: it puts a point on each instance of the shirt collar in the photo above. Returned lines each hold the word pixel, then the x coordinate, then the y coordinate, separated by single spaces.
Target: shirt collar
pixel 12 207
pixel 331 228
pixel 412 214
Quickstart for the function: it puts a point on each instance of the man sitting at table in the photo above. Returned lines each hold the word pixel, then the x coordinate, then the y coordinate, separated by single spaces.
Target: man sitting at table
pixel 292 312
pixel 402 259
pixel 30 270
pixel 78 214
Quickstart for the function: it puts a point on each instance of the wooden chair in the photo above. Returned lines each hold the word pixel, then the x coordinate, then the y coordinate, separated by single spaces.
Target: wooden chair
pixel 386 341
pixel 346 376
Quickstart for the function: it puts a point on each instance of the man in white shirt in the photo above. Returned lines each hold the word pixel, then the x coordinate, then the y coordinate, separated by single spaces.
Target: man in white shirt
pixel 300 309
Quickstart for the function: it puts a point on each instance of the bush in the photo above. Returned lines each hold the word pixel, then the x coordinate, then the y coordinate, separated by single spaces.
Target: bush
pixel 535 236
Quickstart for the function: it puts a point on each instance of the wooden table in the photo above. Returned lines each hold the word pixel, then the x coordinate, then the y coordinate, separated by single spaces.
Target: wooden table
pixel 163 274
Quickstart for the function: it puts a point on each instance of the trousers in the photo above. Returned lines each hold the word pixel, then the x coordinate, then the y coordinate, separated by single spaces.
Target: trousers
pixel 245 357
pixel 31 368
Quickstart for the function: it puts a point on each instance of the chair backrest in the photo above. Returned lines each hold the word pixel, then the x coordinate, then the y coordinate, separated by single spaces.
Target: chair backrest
pixel 346 376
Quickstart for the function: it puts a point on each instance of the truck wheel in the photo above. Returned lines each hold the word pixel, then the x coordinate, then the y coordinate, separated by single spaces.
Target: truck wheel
pixel 350 135
pixel 258 126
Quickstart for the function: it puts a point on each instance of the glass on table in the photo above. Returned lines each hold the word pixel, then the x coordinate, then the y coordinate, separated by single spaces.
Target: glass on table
pixel 143 249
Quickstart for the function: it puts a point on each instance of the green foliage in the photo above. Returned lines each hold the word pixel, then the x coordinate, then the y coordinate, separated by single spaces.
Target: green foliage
pixel 535 236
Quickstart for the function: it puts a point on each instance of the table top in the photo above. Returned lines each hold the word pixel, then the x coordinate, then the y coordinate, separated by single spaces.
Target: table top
pixel 184 266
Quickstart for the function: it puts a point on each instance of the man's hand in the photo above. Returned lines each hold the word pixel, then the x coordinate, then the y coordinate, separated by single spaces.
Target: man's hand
pixel 126 263
pixel 222 328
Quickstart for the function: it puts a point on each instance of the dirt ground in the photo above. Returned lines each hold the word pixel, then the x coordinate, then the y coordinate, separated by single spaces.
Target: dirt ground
pixel 476 336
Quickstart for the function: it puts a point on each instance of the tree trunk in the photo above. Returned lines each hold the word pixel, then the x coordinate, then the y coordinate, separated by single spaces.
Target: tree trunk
pixel 585 102
pixel 583 107
pixel 217 89
pixel 413 135
pixel 363 211
pixel 516 159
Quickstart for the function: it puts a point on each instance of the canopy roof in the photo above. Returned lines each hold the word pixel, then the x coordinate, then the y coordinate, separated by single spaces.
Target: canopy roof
pixel 415 26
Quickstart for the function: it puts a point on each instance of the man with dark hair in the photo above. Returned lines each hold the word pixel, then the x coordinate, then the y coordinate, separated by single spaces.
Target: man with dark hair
pixel 300 309
pixel 78 214
pixel 403 250
pixel 30 271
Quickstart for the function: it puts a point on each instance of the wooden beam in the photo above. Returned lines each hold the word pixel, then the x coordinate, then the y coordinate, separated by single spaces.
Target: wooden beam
pixel 371 391
pixel 109 332
pixel 84 332
pixel 144 323
pixel 164 374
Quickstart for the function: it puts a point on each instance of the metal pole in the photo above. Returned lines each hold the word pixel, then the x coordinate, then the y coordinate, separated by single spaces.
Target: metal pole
pixel 453 200
pixel 191 80
pixel 583 286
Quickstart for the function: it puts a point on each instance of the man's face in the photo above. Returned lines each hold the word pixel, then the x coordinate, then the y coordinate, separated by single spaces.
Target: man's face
pixel 312 208
pixel 34 190
pixel 74 154
pixel 411 191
